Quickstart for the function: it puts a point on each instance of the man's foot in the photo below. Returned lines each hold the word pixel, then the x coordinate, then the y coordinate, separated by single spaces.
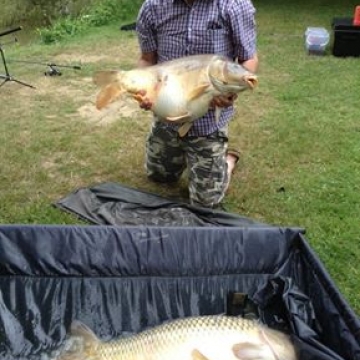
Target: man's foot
pixel 232 158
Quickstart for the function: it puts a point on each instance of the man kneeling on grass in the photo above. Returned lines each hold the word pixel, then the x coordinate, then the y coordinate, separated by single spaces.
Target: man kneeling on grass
pixel 170 29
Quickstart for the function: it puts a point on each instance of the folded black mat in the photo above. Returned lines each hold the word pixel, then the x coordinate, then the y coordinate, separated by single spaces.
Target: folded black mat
pixel 115 204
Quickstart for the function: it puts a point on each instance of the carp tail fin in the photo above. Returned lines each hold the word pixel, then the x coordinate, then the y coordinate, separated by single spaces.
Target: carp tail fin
pixel 82 344
pixel 110 83
pixel 102 78
pixel 108 94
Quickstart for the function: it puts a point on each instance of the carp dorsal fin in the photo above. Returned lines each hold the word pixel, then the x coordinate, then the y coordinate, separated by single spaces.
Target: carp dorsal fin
pixel 197 355
pixel 108 95
pixel 195 93
pixel 102 78
pixel 184 129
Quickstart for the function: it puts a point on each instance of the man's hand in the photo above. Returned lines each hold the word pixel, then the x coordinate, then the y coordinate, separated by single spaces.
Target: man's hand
pixel 143 101
pixel 223 100
pixel 146 59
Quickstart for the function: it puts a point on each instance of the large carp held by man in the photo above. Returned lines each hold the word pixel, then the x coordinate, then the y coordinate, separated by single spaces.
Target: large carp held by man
pixel 179 90
pixel 213 337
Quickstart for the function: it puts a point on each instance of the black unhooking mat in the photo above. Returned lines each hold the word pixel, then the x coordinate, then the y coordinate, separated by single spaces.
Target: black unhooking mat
pixel 120 280
pixel 116 204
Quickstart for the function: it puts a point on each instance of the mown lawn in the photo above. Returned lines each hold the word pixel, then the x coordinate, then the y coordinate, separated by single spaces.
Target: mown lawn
pixel 298 132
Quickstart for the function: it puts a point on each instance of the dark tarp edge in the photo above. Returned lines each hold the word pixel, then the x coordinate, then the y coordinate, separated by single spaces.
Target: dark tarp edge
pixel 342 307
pixel 123 246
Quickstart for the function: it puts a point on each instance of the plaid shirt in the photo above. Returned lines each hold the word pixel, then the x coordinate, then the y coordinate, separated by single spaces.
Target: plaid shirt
pixel 174 29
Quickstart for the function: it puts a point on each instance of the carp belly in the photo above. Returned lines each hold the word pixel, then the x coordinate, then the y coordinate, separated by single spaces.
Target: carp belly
pixel 170 101
pixel 181 99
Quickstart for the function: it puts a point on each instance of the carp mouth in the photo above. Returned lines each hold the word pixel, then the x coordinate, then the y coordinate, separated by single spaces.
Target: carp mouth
pixel 251 81
pixel 231 75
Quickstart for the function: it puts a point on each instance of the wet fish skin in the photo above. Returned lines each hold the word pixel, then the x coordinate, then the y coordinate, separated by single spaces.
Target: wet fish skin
pixel 180 90
pixel 214 337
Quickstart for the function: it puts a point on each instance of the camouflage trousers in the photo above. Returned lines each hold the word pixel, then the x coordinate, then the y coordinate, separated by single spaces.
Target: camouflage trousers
pixel 168 155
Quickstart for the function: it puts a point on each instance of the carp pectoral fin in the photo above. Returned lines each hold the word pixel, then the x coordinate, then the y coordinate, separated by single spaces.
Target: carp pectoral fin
pixel 102 78
pixel 194 94
pixel 184 129
pixel 180 118
pixel 217 113
pixel 197 355
pixel 139 97
pixel 249 351
pixel 108 94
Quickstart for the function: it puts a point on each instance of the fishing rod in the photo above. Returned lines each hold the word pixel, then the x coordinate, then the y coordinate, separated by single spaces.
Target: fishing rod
pixel 10 31
pixel 53 68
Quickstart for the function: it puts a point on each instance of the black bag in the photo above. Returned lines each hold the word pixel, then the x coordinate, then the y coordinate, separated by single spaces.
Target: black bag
pixel 120 280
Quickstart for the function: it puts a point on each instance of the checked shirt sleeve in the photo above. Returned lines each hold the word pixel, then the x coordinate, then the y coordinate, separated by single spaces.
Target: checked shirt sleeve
pixel 145 27
pixel 242 21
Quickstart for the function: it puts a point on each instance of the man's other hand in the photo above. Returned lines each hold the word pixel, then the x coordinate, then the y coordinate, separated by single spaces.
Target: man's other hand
pixel 143 101
pixel 223 101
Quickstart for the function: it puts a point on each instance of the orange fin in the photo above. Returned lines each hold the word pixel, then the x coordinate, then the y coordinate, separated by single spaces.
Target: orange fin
pixel 102 78
pixel 250 351
pixel 269 338
pixel 139 97
pixel 195 93
pixel 180 118
pixel 197 355
pixel 81 344
pixel 218 111
pixel 184 129
pixel 79 329
pixel 108 95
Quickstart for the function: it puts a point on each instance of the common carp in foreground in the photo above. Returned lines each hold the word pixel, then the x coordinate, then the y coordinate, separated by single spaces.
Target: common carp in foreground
pixel 213 337
pixel 180 90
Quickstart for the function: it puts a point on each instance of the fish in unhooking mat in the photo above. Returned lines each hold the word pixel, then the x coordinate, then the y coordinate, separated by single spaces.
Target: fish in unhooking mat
pixel 179 90
pixel 213 337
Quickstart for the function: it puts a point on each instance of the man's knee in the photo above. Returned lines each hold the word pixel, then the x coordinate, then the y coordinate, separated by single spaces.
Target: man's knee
pixel 209 193
pixel 162 177
pixel 164 170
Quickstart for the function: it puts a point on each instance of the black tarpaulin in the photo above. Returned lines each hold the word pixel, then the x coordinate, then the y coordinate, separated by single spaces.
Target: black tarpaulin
pixel 120 280
pixel 115 204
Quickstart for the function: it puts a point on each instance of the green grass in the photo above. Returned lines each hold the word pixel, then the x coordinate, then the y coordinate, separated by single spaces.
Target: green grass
pixel 298 132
